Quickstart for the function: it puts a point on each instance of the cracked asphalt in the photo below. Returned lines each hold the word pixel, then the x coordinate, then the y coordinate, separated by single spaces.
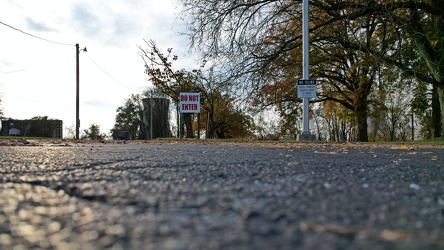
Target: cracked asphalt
pixel 180 195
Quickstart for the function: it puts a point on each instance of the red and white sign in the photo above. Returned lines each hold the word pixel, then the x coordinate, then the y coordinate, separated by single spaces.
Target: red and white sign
pixel 189 102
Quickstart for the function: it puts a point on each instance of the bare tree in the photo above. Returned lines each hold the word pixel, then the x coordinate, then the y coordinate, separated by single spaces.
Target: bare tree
pixel 257 38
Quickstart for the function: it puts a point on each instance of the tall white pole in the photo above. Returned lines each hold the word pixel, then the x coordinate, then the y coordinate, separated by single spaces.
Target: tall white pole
pixel 305 58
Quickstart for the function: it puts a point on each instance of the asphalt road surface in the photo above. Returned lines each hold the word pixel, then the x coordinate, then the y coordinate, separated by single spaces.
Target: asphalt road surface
pixel 181 195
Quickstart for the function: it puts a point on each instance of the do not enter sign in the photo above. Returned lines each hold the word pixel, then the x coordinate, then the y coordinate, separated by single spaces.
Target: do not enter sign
pixel 189 102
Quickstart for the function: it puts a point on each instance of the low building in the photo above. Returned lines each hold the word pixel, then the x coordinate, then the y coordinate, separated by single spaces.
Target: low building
pixel 33 128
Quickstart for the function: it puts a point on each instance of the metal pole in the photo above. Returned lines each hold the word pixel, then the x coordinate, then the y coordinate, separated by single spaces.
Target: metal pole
pixel 181 132
pixel 198 126
pixel 151 118
pixel 305 58
pixel 77 91
pixel 178 120
pixel 413 126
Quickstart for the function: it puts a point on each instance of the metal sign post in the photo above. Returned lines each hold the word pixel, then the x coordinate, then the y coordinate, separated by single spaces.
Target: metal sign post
pixel 307 88
pixel 306 135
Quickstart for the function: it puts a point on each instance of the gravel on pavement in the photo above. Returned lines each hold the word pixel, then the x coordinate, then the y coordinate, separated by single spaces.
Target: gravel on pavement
pixel 179 195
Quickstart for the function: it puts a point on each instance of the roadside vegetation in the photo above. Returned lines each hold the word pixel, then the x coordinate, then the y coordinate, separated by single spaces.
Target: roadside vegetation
pixel 35 141
pixel 378 66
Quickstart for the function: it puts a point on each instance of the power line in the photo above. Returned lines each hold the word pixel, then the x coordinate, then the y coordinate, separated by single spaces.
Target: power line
pixel 111 76
pixel 26 33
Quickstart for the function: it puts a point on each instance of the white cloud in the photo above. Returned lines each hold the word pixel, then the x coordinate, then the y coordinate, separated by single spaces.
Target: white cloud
pixel 85 21
pixel 36 26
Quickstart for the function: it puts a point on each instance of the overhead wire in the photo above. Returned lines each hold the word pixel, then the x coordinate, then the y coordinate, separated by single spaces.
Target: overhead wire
pixel 44 39
pixel 65 44
pixel 104 71
pixel 47 40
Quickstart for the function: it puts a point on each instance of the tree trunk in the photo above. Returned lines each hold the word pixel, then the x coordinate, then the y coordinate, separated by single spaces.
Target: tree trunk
pixel 343 132
pixel 220 134
pixel 361 117
pixel 187 120
pixel 210 126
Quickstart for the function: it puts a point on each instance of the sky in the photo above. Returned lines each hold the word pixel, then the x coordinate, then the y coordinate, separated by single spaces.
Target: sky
pixel 38 69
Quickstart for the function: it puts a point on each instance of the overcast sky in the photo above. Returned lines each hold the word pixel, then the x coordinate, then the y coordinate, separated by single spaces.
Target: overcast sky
pixel 38 77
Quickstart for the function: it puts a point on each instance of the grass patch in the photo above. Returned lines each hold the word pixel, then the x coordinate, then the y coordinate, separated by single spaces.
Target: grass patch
pixel 436 141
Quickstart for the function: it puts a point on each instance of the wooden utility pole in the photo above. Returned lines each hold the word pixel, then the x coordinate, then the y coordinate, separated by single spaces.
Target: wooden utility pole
pixel 77 91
